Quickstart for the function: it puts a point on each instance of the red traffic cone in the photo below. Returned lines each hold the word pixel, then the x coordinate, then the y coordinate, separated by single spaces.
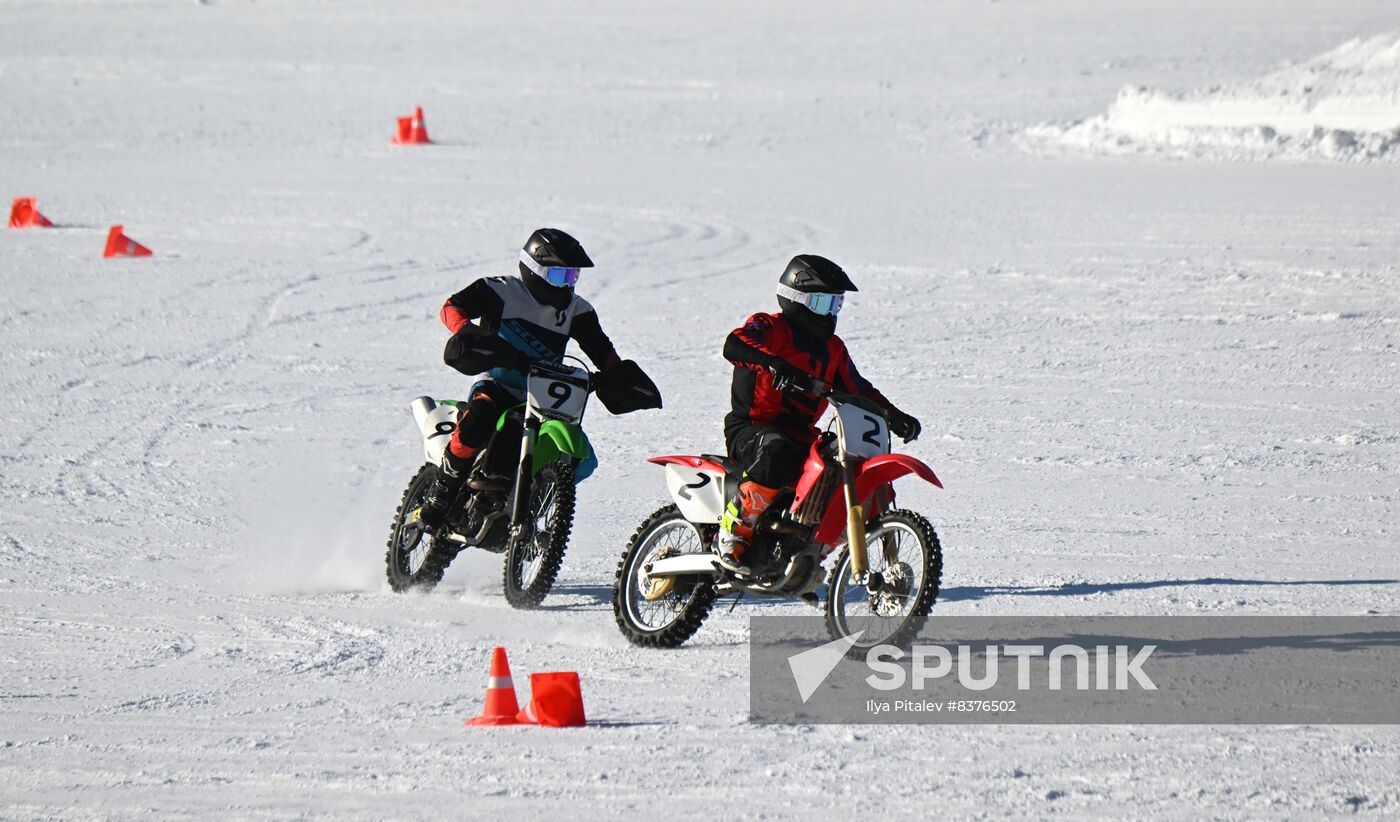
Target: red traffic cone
pixel 412 130
pixel 24 214
pixel 556 701
pixel 501 706
pixel 120 245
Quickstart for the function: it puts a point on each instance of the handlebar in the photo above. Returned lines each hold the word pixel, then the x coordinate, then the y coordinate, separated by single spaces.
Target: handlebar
pixel 624 388
pixel 547 368
pixel 864 404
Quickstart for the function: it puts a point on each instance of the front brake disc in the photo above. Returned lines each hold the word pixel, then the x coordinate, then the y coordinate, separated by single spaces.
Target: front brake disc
pixel 900 577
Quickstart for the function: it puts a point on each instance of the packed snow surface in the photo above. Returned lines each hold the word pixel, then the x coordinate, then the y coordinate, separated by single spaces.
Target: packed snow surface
pixel 1149 388
pixel 1342 105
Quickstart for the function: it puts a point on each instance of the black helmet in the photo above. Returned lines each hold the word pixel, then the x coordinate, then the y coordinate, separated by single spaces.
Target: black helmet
pixel 813 316
pixel 549 264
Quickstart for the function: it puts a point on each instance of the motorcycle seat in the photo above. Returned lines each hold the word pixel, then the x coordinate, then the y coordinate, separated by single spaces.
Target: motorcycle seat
pixel 728 464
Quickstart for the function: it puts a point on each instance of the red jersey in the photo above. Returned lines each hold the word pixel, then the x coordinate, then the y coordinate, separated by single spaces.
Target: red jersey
pixel 754 400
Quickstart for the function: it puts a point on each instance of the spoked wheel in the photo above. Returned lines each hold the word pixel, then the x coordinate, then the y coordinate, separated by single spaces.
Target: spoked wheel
pixel 904 552
pixel 411 561
pixel 532 562
pixel 663 612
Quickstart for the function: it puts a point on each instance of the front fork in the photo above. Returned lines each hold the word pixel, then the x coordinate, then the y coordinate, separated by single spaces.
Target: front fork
pixel 855 530
pixel 855 535
pixel 520 506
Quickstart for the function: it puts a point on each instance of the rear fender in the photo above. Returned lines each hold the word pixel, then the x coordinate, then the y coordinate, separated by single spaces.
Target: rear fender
pixel 696 485
pixel 872 475
pixel 688 462
pixel 436 419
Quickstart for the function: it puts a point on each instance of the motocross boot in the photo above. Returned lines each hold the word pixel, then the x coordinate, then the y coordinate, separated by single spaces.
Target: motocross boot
pixel 450 474
pixel 740 517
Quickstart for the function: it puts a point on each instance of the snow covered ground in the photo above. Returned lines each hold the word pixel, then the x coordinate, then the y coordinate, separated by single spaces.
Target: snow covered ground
pixel 1150 388
pixel 1342 105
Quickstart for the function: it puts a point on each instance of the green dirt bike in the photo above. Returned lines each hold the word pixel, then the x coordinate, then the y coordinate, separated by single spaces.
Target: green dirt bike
pixel 539 447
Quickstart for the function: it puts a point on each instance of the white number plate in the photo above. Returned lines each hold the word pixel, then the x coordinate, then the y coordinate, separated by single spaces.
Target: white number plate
pixel 558 396
pixel 865 434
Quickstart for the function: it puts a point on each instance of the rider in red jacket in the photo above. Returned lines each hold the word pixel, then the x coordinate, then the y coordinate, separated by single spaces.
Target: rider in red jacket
pixel 772 421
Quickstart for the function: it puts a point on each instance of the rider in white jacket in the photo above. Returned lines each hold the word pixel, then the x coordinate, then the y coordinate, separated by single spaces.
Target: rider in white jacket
pixel 504 324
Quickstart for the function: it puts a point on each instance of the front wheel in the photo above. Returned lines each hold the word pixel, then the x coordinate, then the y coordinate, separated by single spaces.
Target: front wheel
pixel 904 552
pixel 663 612
pixel 533 560
pixel 411 561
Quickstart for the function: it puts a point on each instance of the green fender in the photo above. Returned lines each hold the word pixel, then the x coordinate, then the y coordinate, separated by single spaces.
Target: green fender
pixel 558 438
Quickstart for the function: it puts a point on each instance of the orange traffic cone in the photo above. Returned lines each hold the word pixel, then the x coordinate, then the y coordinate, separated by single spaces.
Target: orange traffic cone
pixel 501 706
pixel 412 130
pixel 556 701
pixel 24 214
pixel 120 245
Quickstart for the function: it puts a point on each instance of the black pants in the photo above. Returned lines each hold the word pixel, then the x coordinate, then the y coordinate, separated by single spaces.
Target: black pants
pixel 476 420
pixel 769 456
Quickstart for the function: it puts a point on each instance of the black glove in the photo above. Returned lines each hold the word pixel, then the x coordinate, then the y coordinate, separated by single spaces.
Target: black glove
pixel 625 388
pixel 904 426
pixel 787 377
pixel 472 351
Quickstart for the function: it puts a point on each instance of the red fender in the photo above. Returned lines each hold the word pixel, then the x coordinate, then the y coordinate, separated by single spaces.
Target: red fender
pixel 870 475
pixel 887 468
pixel 691 462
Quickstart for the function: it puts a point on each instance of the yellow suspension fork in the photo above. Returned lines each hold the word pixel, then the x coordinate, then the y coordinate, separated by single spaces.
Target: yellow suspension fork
pixel 855 525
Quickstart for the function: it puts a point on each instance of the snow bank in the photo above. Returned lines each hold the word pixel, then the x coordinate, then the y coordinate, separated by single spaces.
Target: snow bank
pixel 1342 105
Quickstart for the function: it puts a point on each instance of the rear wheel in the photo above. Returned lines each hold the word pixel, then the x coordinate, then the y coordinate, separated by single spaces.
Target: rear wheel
pixel 904 551
pixel 663 612
pixel 533 561
pixel 412 561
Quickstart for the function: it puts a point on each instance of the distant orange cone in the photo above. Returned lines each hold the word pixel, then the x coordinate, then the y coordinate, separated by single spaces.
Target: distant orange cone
pixel 25 214
pixel 412 130
pixel 501 706
pixel 120 245
pixel 556 701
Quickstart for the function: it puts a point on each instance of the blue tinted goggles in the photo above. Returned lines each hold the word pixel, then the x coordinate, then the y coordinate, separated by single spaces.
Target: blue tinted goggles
pixel 817 302
pixel 556 275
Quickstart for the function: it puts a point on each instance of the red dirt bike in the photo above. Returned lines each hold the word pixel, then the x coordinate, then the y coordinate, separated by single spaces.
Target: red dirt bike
pixel 880 588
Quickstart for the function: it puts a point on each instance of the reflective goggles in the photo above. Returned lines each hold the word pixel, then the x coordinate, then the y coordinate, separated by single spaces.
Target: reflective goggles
pixel 817 303
pixel 556 275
